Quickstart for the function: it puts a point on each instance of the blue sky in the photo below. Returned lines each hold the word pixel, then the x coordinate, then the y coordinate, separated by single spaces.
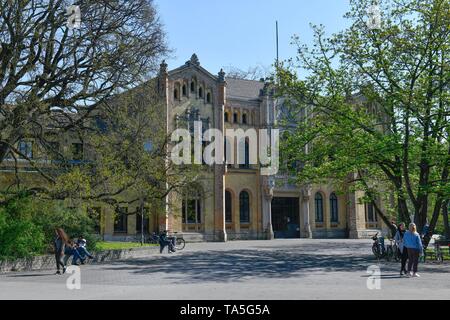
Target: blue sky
pixel 241 33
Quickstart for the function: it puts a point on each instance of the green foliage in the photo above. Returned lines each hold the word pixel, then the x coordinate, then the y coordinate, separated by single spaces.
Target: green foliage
pixel 373 107
pixel 120 245
pixel 27 226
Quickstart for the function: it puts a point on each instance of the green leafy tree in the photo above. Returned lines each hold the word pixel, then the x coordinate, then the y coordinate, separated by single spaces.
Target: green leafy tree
pixel 373 107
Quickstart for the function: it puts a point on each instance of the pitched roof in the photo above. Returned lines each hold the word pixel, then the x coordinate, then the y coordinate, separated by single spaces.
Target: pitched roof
pixel 246 89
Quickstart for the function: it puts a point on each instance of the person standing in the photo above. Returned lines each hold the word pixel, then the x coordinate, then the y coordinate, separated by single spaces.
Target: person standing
pixel 413 243
pixel 402 251
pixel 60 242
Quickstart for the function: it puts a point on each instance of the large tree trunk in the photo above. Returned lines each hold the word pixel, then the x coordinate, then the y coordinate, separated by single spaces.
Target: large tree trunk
pixel 403 210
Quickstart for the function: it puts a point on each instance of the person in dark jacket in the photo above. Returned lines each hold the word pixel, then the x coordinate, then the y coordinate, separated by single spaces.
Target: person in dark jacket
pixel 71 250
pixel 165 240
pixel 60 242
pixel 402 251
pixel 83 253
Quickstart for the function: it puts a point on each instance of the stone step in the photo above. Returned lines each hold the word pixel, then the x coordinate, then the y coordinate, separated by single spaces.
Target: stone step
pixel 193 236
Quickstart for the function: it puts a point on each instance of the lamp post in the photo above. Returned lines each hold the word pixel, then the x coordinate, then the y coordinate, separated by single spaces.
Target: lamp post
pixel 270 185
pixel 142 219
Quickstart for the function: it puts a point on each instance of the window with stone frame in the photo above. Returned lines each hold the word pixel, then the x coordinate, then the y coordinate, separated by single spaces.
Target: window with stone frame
pixel 334 210
pixel 244 207
pixel 191 208
pixel 121 220
pixel 228 207
pixel 371 216
pixel 318 201
pixel 77 151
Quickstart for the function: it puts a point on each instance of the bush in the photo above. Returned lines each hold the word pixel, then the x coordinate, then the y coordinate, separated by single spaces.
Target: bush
pixel 27 226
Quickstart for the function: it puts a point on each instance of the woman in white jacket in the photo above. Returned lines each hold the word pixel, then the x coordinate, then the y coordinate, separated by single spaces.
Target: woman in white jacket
pixel 403 253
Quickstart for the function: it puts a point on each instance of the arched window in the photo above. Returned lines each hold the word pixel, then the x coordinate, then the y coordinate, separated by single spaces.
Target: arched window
pixel 208 97
pixel 175 94
pixel 319 207
pixel 226 117
pixel 334 208
pixel 200 92
pixel 244 207
pixel 244 118
pixel 192 208
pixel 228 207
pixel 192 86
pixel 184 90
pixel 235 117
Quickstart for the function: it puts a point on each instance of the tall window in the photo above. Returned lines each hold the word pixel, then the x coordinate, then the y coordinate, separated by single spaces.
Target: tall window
pixel 192 208
pixel 184 90
pixel 95 215
pixel 319 207
pixel 121 220
pixel 77 151
pixel 244 119
pixel 208 97
pixel 226 119
pixel 244 207
pixel 334 208
pixel 175 94
pixel 200 92
pixel 246 150
pixel 228 207
pixel 370 213
pixel 192 87
pixel 26 148
pixel 235 117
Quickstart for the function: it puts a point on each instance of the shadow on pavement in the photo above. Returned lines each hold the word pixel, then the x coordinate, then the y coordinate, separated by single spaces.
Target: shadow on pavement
pixel 233 265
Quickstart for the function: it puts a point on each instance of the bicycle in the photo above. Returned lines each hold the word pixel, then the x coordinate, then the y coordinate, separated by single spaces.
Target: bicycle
pixel 180 243
pixel 392 251
pixel 378 248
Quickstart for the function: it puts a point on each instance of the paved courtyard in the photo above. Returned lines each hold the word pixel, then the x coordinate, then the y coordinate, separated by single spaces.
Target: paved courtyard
pixel 250 270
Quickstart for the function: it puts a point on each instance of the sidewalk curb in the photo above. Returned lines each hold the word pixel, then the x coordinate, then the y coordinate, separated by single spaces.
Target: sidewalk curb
pixel 47 262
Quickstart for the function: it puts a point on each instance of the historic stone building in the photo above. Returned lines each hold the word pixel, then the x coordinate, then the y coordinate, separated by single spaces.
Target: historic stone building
pixel 231 202
pixel 236 201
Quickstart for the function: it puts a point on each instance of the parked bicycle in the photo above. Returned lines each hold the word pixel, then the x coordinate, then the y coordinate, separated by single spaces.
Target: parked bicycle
pixel 378 248
pixel 392 251
pixel 380 251
pixel 180 243
pixel 437 253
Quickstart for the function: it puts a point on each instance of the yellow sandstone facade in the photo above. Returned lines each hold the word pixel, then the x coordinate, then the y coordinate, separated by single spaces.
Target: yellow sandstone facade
pixel 230 202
